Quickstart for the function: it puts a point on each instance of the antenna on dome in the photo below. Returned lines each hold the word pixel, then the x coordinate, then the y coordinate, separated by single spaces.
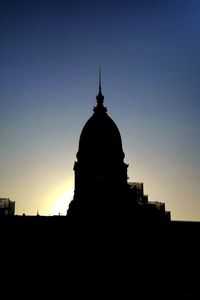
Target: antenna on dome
pixel 99 77
pixel 100 97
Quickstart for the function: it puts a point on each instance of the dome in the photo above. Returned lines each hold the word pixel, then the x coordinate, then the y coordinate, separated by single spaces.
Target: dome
pixel 100 171
pixel 100 139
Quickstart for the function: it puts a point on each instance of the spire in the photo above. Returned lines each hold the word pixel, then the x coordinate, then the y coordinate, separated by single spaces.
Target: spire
pixel 100 107
pixel 99 78
pixel 100 97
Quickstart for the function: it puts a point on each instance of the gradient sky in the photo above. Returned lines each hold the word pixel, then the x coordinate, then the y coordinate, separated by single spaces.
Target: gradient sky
pixel 150 57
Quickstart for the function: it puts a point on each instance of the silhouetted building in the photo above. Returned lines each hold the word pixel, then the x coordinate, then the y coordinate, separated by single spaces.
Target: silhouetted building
pixel 7 207
pixel 101 182
pixel 112 236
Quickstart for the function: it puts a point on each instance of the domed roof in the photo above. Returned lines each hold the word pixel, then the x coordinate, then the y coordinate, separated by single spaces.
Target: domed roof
pixel 100 139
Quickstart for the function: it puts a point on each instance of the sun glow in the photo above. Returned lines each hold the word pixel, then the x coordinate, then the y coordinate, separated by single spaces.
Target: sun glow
pixel 63 196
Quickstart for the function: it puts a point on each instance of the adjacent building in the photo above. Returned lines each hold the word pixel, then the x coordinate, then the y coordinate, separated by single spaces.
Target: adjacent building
pixel 7 207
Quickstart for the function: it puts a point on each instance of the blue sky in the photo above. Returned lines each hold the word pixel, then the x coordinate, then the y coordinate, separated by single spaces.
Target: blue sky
pixel 150 57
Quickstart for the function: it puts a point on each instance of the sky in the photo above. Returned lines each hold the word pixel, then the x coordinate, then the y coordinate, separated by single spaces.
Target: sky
pixel 50 52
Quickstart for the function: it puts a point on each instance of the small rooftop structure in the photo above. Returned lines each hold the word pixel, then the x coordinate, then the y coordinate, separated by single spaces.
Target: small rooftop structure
pixel 7 207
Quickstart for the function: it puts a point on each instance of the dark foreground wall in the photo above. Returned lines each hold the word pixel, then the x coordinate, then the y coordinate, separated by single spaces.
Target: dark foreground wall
pixel 160 260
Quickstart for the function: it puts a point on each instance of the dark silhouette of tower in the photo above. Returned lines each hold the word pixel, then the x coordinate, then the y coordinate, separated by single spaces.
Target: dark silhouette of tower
pixel 111 220
pixel 100 171
pixel 102 190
